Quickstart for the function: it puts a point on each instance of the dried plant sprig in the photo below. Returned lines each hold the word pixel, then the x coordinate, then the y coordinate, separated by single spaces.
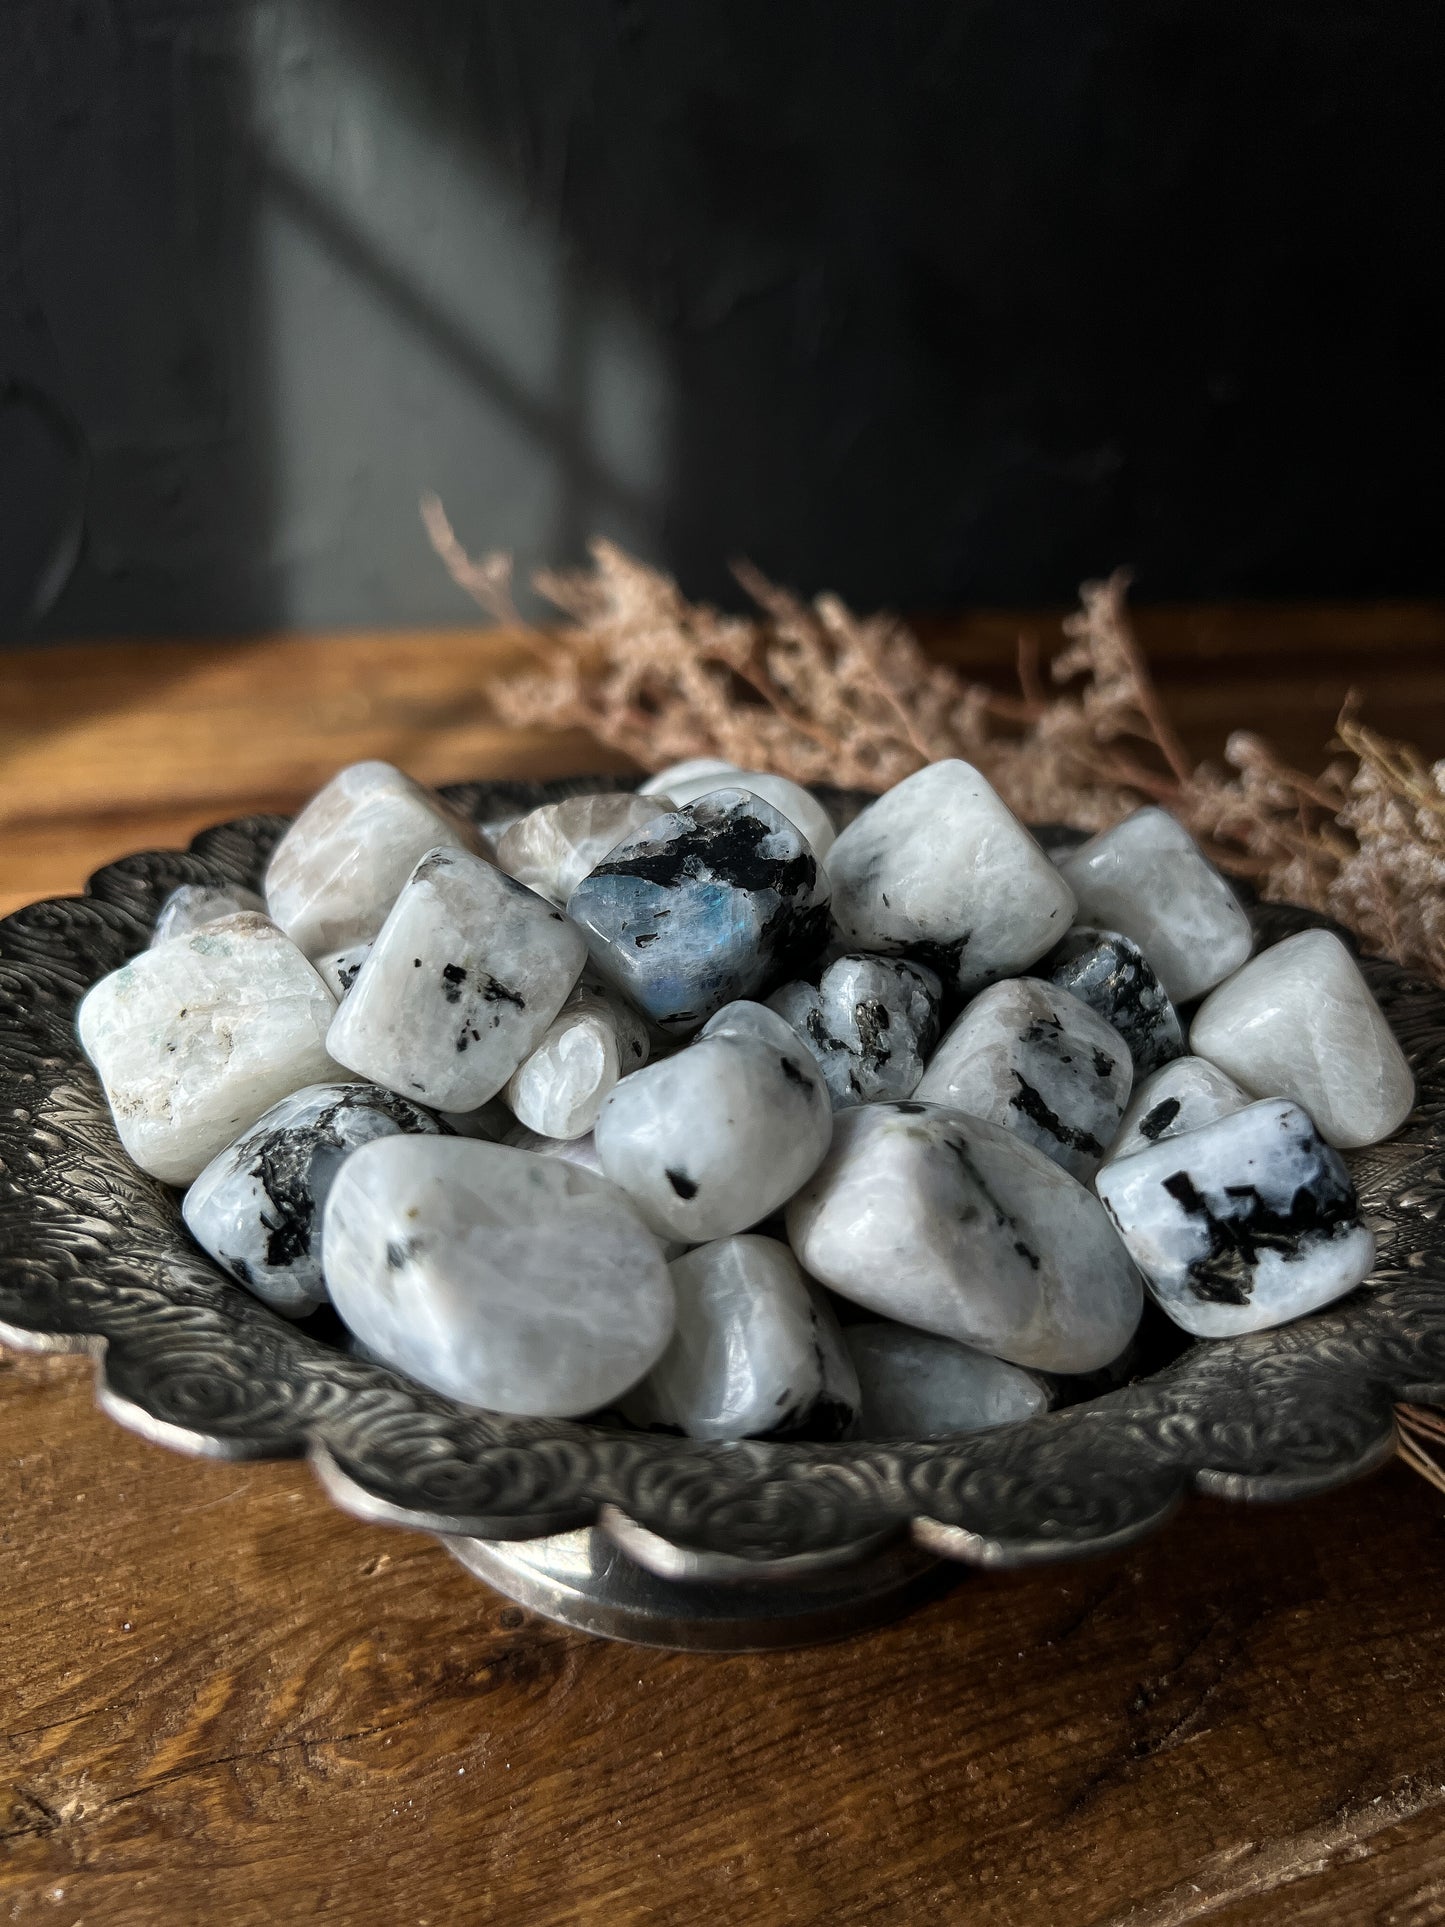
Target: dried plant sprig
pixel 814 692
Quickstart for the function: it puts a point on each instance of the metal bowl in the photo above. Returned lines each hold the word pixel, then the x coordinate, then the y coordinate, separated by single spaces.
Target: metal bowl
pixel 671 1541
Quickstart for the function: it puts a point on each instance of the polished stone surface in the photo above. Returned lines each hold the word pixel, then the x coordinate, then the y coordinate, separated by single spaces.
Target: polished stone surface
pixel 1148 878
pixel 870 1022
pixel 756 1351
pixel 337 871
pixel 559 1089
pixel 553 848
pixel 256 1207
pixel 686 782
pixel 339 969
pixel 1243 1223
pixel 1035 1060
pixel 518 1283
pixel 1178 1097
pixel 196 1037
pixel 916 1385
pixel 950 1223
pixel 939 868
pixel 706 905
pixel 1110 973
pixel 1300 1021
pixel 713 1139
pixel 191 906
pixel 460 985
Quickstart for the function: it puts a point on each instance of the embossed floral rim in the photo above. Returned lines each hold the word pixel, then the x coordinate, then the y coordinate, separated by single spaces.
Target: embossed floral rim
pixel 94 1258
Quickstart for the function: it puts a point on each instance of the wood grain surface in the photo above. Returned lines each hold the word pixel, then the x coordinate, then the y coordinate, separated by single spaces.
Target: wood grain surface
pixel 224 1701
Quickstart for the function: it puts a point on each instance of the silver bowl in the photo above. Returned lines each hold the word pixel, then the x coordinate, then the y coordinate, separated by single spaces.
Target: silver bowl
pixel 664 1540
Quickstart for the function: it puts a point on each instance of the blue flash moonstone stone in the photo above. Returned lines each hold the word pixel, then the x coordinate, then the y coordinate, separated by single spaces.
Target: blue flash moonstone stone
pixel 1110 973
pixel 711 903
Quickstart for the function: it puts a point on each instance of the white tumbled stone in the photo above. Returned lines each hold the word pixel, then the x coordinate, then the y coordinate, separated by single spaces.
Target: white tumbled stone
pixel 460 985
pixel 944 1221
pixel 1300 1021
pixel 756 1351
pixel 789 799
pixel 941 870
pixel 870 1022
pixel 191 906
pixel 559 1089
pixel 1148 878
pixel 195 1038
pixel 684 773
pixel 714 1138
pixel 1036 1060
pixel 1243 1223
pixel 256 1208
pixel 518 1283
pixel 337 871
pixel 1178 1097
pixel 339 969
pixel 916 1385
pixel 553 848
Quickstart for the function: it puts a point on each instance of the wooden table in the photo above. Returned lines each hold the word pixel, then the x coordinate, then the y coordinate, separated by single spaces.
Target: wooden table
pixel 225 1701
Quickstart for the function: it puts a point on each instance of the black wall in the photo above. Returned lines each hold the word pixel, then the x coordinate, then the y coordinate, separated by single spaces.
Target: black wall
pixel 931 301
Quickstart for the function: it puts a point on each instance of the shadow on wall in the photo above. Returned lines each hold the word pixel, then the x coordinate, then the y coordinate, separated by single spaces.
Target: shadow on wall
pixel 934 304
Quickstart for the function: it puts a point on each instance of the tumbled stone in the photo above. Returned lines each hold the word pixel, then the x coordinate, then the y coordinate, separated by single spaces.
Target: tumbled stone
pixel 661 781
pixel 554 848
pixel 518 1283
pixel 1243 1223
pixel 1300 1021
pixel 916 1385
pixel 191 906
pixel 1034 1059
pixel 257 1206
pixel 790 799
pixel 869 1021
pixel 755 1353
pixel 460 985
pixel 941 869
pixel 704 906
pixel 714 1138
pixel 952 1224
pixel 1178 1097
pixel 339 969
pixel 1110 973
pixel 1148 878
pixel 336 872
pixel 195 1038
pixel 559 1089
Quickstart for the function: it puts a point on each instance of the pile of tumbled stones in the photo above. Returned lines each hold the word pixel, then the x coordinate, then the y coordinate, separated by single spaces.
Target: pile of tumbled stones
pixel 612 1108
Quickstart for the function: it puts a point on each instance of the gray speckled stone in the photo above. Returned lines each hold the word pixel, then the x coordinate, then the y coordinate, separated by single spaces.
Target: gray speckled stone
pixel 336 872
pixel 1032 1058
pixel 916 1385
pixel 1110 973
pixel 191 906
pixel 1148 878
pixel 1178 1097
pixel 1244 1223
pixel 256 1207
pixel 949 1223
pixel 686 782
pixel 940 869
pixel 713 1139
pixel 756 1352
pixel 1300 1021
pixel 704 906
pixel 460 985
pixel 869 1021
pixel 198 1036
pixel 339 969
pixel 518 1283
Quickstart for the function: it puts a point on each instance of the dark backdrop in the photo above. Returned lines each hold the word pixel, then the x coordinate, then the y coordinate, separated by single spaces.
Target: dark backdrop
pixel 931 301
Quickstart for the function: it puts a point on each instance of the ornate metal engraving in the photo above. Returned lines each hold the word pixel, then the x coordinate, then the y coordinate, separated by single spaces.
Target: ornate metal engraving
pixel 94 1257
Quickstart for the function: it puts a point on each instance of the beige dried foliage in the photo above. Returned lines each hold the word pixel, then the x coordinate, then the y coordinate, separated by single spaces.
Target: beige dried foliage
pixel 814 692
